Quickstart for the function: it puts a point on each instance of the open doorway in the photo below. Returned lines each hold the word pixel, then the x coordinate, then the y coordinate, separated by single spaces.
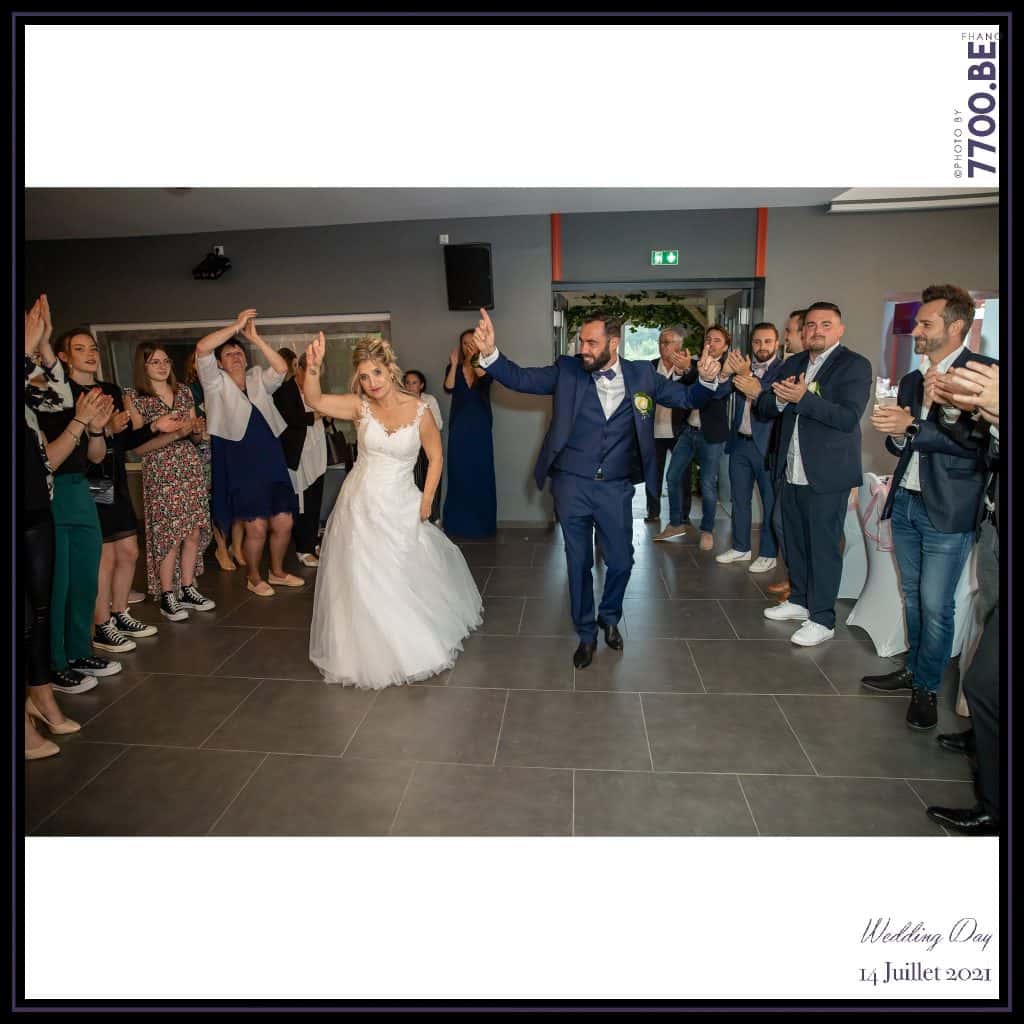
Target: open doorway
pixel 688 307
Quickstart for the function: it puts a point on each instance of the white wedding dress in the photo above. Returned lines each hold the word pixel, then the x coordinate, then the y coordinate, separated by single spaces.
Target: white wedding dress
pixel 394 597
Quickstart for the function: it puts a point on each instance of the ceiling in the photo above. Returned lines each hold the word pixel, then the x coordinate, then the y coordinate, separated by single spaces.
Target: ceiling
pixel 124 212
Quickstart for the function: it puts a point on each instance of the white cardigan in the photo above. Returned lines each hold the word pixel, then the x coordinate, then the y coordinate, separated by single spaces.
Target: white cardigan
pixel 228 408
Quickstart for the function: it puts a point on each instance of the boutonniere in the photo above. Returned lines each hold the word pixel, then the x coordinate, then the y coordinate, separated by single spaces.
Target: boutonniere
pixel 643 404
pixel 815 388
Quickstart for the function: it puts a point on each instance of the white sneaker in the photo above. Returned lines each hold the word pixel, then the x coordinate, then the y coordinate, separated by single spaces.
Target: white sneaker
pixel 732 555
pixel 787 612
pixel 762 565
pixel 309 561
pixel 810 634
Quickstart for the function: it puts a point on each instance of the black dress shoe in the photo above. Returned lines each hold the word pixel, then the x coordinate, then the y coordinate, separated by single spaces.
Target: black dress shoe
pixel 891 682
pixel 584 654
pixel 612 636
pixel 958 742
pixel 971 821
pixel 923 712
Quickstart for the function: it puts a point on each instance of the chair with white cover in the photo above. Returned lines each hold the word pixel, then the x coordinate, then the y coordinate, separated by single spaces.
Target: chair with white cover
pixel 879 608
pixel 855 556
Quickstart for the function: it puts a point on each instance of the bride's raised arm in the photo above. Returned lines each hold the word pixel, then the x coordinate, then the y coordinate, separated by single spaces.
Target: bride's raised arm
pixel 339 407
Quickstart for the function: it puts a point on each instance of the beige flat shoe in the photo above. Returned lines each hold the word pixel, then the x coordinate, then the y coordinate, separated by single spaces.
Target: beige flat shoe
pixel 261 589
pixel 64 728
pixel 707 541
pixel 309 561
pixel 288 580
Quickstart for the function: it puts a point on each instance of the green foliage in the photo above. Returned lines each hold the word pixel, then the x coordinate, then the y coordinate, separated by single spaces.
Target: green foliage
pixel 638 310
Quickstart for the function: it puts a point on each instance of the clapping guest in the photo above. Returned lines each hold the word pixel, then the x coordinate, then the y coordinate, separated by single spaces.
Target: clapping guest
pixel 115 629
pixel 471 502
pixel 820 396
pixel 250 478
pixel 933 501
pixel 975 387
pixel 75 439
pixel 747 448
pixel 416 384
pixel 225 560
pixel 305 453
pixel 177 512
pixel 702 438
pixel 672 363
pixel 43 391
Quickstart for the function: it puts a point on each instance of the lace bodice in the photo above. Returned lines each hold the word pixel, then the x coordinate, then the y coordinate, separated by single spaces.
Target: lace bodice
pixel 401 446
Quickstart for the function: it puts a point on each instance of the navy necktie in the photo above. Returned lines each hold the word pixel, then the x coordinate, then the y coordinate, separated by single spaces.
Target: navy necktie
pixel 607 374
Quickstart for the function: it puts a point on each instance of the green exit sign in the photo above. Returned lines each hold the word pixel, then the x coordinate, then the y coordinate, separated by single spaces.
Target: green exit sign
pixel 664 257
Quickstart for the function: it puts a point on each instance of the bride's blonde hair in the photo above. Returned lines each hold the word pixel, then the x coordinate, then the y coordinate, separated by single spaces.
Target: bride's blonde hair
pixel 376 350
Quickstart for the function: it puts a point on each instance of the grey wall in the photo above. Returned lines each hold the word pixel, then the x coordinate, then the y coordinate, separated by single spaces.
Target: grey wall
pixel 852 259
pixel 617 246
pixel 391 267
pixel 856 259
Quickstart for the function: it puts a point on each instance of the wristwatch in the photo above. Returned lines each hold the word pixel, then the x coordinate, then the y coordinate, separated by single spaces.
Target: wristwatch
pixel 913 428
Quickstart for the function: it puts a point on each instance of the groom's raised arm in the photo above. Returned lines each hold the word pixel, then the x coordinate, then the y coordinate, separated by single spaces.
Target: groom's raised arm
pixel 534 380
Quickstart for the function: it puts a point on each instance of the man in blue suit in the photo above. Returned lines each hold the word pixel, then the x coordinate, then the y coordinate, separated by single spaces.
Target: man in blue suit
pixel 749 441
pixel 820 395
pixel 600 443
pixel 936 490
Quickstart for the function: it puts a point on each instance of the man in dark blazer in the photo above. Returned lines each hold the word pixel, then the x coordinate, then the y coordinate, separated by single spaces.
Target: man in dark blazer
pixel 933 500
pixel 703 438
pixel 289 402
pixel 671 363
pixel 982 681
pixel 599 444
pixel 820 395
pixel 749 442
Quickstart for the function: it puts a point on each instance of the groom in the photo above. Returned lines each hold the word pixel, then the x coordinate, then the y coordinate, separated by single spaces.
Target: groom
pixel 600 443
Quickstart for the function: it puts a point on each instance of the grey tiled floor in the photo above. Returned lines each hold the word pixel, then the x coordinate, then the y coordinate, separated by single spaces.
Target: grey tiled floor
pixel 709 723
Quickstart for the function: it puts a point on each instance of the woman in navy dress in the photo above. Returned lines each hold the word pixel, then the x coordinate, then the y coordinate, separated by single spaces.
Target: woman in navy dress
pixel 250 477
pixel 471 504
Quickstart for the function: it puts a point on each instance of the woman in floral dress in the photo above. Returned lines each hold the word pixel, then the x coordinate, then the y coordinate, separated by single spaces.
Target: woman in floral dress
pixel 177 510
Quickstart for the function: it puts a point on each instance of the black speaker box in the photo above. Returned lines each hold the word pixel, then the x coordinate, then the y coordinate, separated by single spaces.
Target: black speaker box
pixel 467 271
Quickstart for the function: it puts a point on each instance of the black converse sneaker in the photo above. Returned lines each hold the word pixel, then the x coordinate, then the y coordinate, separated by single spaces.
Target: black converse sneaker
pixel 107 638
pixel 71 682
pixel 131 627
pixel 191 598
pixel 170 609
pixel 95 667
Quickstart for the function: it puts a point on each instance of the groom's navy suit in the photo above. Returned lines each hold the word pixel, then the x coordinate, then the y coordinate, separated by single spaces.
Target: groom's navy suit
pixel 593 461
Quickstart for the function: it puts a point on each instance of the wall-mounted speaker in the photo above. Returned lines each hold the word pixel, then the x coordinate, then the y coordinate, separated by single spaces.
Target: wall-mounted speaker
pixel 467 271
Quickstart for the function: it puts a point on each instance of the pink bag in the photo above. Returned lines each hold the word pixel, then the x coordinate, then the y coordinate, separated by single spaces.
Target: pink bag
pixel 879 496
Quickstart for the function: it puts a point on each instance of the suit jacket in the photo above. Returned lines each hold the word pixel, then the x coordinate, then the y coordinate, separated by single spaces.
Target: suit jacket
pixel 953 472
pixel 288 400
pixel 567 381
pixel 678 415
pixel 829 423
pixel 760 428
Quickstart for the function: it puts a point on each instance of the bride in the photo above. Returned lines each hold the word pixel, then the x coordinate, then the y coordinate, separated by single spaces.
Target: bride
pixel 394 597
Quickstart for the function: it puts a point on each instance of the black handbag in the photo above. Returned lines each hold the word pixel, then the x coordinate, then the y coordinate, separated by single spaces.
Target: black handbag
pixel 338 451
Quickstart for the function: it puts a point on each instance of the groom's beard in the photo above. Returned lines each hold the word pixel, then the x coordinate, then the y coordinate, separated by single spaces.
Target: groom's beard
pixel 598 362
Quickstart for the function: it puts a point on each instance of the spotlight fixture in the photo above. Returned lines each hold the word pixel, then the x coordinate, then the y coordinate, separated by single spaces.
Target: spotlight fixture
pixel 213 265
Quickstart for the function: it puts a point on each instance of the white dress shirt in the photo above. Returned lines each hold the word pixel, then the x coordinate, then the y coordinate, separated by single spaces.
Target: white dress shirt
pixel 795 473
pixel 758 370
pixel 662 413
pixel 912 477
pixel 228 408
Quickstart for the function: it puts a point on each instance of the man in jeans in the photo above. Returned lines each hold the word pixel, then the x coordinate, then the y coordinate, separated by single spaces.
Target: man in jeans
pixel 703 437
pixel 747 449
pixel 933 501
pixel 672 363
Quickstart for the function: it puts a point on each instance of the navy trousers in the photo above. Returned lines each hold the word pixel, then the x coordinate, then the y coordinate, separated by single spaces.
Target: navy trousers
pixel 582 505
pixel 814 532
